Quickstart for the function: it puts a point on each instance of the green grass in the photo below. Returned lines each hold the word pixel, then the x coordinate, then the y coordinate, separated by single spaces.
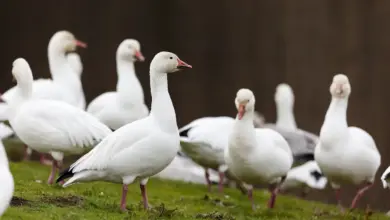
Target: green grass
pixel 170 200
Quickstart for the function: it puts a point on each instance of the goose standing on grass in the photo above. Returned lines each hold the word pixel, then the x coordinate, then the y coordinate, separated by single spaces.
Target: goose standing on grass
pixel 346 155
pixel 204 140
pixel 6 179
pixel 50 126
pixel 302 144
pixel 126 105
pixel 140 149
pixel 76 64
pixel 65 84
pixel 256 156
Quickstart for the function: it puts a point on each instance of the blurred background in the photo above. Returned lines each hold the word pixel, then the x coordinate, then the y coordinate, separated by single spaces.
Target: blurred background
pixel 231 44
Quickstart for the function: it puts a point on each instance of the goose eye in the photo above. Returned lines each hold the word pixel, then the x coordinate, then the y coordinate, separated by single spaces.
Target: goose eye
pixel 171 58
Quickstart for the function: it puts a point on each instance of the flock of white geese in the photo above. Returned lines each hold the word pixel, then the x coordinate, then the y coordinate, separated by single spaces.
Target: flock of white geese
pixel 130 143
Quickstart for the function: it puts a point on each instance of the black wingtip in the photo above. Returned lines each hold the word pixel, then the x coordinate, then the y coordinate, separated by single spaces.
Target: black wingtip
pixel 184 133
pixel 64 175
pixel 317 175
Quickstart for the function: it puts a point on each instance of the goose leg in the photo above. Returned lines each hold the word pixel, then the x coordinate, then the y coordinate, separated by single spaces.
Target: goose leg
pixel 274 189
pixel 360 193
pixel 250 197
pixel 124 195
pixel 45 161
pixel 207 176
pixel 338 198
pixel 142 185
pixel 52 173
pixel 221 179
pixel 27 153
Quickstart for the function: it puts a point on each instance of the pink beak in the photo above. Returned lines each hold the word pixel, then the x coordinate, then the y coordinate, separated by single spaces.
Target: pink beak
pixel 81 44
pixel 139 56
pixel 241 111
pixel 181 63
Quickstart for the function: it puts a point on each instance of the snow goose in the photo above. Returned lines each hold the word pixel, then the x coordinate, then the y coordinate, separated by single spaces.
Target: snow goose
pixel 140 149
pixel 6 179
pixel 126 105
pixel 346 155
pixel 50 126
pixel 204 141
pixel 65 84
pixel 256 156
pixel 76 64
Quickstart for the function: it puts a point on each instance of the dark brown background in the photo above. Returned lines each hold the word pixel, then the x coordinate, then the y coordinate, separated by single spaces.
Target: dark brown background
pixel 231 44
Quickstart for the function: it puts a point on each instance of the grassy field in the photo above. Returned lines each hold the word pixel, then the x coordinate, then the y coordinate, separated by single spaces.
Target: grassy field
pixel 34 199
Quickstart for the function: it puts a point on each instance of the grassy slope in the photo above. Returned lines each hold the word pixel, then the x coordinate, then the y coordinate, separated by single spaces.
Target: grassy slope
pixel 182 201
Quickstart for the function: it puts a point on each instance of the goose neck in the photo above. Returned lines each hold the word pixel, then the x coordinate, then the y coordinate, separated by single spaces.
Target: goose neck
pixel 162 107
pixel 128 86
pixel 285 116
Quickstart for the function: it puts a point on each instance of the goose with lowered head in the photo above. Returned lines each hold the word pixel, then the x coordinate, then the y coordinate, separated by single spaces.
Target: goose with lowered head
pixel 345 154
pixel 256 156
pixel 65 84
pixel 126 105
pixel 140 149
pixel 50 126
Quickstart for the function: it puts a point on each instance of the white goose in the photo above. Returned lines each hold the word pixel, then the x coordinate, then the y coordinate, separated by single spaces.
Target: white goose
pixel 65 84
pixel 256 156
pixel 346 155
pixel 204 140
pixel 6 179
pixel 140 149
pixel 76 64
pixel 50 126
pixel 126 105
pixel 302 144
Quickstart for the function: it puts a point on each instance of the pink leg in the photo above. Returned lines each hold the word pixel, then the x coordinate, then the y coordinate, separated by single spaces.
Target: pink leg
pixel 144 196
pixel 52 173
pixel 250 197
pixel 338 198
pixel 207 175
pixel 124 195
pixel 221 178
pixel 26 156
pixel 360 193
pixel 274 192
pixel 45 161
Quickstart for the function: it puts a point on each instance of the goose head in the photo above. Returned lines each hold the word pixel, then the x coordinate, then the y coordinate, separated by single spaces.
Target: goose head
pixel 284 94
pixel 75 62
pixel 167 62
pixel 21 71
pixel 130 49
pixel 340 87
pixel 245 102
pixel 64 41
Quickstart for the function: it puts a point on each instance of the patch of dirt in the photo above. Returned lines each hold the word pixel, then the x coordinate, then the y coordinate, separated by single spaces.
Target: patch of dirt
pixel 18 201
pixel 63 201
pixel 215 216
